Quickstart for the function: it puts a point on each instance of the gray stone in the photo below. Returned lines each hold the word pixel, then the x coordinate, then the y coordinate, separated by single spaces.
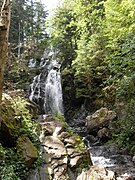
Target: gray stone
pixel 54 146
pixel 96 173
pixel 53 127
pixel 75 161
pixel 40 173
pixel 71 140
pixel 103 133
pixel 64 135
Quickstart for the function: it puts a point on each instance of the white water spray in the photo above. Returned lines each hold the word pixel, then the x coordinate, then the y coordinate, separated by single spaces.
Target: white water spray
pixel 46 89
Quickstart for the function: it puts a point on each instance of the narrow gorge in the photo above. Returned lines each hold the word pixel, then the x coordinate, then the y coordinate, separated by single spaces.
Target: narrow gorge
pixel 59 146
pixel 67 90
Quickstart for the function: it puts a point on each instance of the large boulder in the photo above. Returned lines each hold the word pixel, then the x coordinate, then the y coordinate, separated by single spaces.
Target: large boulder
pixel 28 152
pixel 64 152
pixel 53 127
pixel 96 173
pixel 10 125
pixel 100 118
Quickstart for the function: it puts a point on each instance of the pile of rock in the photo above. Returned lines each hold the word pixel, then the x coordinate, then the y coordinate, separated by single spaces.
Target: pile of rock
pixel 65 155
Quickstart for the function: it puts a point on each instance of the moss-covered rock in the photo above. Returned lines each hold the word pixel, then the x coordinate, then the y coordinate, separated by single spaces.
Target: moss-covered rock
pixel 100 118
pixel 10 124
pixel 27 150
pixel 16 119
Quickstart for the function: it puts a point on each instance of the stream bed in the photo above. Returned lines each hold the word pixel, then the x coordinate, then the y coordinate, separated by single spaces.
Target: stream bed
pixel 110 157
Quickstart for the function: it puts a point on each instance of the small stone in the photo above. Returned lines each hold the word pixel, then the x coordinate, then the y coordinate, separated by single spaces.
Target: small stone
pixel 53 127
pixel 133 159
pixel 96 173
pixel 63 135
pixel 70 140
pixel 75 161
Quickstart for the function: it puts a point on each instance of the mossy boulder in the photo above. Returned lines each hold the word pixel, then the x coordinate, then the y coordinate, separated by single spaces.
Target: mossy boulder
pixel 10 125
pixel 100 118
pixel 27 151
pixel 16 118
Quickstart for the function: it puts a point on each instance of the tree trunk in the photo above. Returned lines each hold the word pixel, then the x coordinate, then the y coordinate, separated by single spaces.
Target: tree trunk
pixel 4 32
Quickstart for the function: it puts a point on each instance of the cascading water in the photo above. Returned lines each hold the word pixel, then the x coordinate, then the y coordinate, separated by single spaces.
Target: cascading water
pixel 46 90
pixel 110 157
pixel 53 92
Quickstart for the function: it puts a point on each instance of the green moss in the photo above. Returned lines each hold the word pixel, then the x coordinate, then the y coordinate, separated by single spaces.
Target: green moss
pixel 59 117
pixel 79 143
pixel 27 151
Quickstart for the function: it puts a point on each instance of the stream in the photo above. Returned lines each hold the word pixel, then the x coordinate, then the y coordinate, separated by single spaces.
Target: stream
pixel 46 91
pixel 111 157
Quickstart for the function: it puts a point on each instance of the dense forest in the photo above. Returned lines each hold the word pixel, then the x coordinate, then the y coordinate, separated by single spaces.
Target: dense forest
pixel 94 41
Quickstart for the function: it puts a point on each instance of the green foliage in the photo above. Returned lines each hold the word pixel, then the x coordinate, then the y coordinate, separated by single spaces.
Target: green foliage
pixel 126 87
pixel 96 42
pixel 27 24
pixel 16 115
pixel 11 166
pixel 17 72
pixel 28 126
pixel 63 33
pixel 89 65
pixel 125 137
pixel 119 30
pixel 61 118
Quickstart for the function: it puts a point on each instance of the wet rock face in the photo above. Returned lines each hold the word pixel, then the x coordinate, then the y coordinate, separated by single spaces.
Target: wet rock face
pixel 111 157
pixel 78 121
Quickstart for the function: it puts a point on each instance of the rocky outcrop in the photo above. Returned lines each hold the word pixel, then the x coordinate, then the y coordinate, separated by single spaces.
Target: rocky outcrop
pixel 65 156
pixel 26 150
pixel 15 130
pixel 65 150
pixel 64 153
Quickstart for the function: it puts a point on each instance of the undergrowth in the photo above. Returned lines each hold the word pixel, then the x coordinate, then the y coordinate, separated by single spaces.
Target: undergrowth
pixel 17 117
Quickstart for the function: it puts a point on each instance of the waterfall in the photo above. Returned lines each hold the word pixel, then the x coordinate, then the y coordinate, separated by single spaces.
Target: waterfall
pixel 46 90
pixel 53 92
